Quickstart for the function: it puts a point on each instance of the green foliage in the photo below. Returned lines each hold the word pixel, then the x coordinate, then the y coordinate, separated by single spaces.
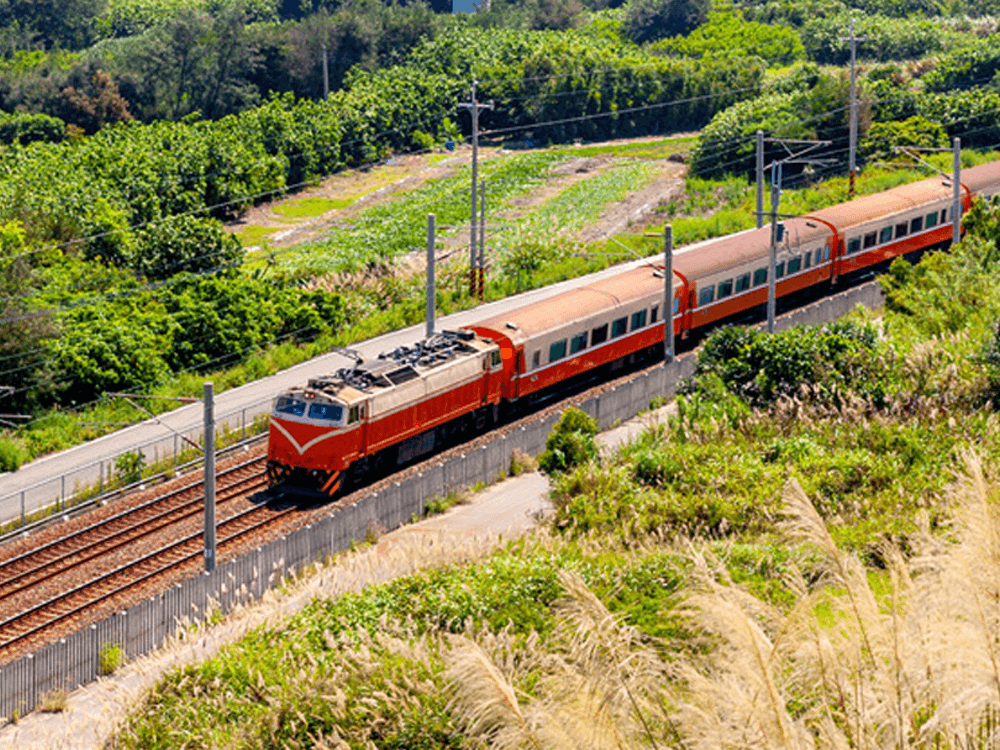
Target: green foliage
pixel 110 658
pixel 888 38
pixel 727 144
pixel 883 138
pixel 727 33
pixel 969 114
pixel 24 129
pixel 12 453
pixel 649 20
pixel 829 360
pixel 570 443
pixel 184 244
pixel 972 65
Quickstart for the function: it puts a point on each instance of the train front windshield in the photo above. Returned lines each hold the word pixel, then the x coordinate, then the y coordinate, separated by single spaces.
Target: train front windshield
pixel 323 411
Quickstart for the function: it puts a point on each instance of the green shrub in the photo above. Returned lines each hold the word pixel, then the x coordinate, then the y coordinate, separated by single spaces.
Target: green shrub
pixel 128 467
pixel 570 443
pixel 12 454
pixel 110 658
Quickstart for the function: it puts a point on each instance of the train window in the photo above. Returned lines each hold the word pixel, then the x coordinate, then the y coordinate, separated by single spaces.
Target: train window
pixel 931 220
pixel 853 245
pixel 944 215
pixel 742 283
pixel 807 259
pixel 619 327
pixel 638 319
pixel 557 350
pixel 599 335
pixel 495 358
pixel 287 405
pixel 578 342
pixel 677 305
pixel 536 360
pixel 760 276
pixel 725 288
pixel 826 253
pixel 871 240
pixel 654 313
pixel 333 412
pixel 794 265
pixel 779 270
pixel 354 414
pixel 917 224
pixel 902 230
pixel 706 295
pixel 885 235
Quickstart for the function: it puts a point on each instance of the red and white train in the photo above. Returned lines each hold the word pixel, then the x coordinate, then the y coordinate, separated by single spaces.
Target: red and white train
pixel 403 404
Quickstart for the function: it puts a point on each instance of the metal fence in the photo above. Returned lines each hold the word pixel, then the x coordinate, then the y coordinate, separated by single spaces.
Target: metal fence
pixel 75 660
pixel 61 491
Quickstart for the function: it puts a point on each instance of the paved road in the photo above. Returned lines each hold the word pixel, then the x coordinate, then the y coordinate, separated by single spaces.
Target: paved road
pixel 502 511
pixel 42 482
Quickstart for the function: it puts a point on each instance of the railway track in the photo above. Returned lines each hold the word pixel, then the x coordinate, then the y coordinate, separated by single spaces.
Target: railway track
pixel 70 577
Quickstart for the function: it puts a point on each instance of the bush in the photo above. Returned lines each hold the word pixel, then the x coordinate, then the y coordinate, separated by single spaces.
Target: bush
pixel 110 658
pixel 884 137
pixel 649 20
pixel 128 470
pixel 570 443
pixel 12 454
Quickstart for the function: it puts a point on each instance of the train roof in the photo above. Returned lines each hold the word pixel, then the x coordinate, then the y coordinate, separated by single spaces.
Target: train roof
pixel 393 368
pixel 723 253
pixel 984 179
pixel 869 208
pixel 581 302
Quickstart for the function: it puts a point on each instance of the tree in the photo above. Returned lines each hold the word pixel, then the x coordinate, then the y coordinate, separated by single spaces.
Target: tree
pixel 649 20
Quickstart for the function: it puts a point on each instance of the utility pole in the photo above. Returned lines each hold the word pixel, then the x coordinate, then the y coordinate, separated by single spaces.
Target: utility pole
pixel 668 293
pixel 482 240
pixel 773 256
pixel 794 157
pixel 956 229
pixel 430 275
pixel 760 179
pixel 209 479
pixel 474 106
pixel 852 163
pixel 326 75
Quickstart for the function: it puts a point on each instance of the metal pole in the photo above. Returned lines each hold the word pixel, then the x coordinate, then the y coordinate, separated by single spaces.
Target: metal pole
pixel 209 480
pixel 852 159
pixel 475 175
pixel 430 275
pixel 668 293
pixel 760 179
pixel 482 240
pixel 956 230
pixel 326 75
pixel 775 197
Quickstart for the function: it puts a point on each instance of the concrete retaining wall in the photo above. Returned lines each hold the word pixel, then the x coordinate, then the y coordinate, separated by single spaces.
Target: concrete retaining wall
pixel 75 660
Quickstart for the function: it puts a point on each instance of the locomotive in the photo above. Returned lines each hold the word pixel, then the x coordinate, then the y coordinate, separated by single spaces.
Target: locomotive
pixel 411 400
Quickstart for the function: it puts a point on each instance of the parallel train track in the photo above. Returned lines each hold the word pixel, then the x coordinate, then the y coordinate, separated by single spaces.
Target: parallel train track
pixel 40 589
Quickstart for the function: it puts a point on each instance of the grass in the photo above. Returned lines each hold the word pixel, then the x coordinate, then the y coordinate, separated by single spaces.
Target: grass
pixel 309 207
pixel 653 149
pixel 254 235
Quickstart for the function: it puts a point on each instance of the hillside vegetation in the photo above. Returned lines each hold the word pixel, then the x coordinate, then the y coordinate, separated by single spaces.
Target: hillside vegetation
pixel 131 130
pixel 802 555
